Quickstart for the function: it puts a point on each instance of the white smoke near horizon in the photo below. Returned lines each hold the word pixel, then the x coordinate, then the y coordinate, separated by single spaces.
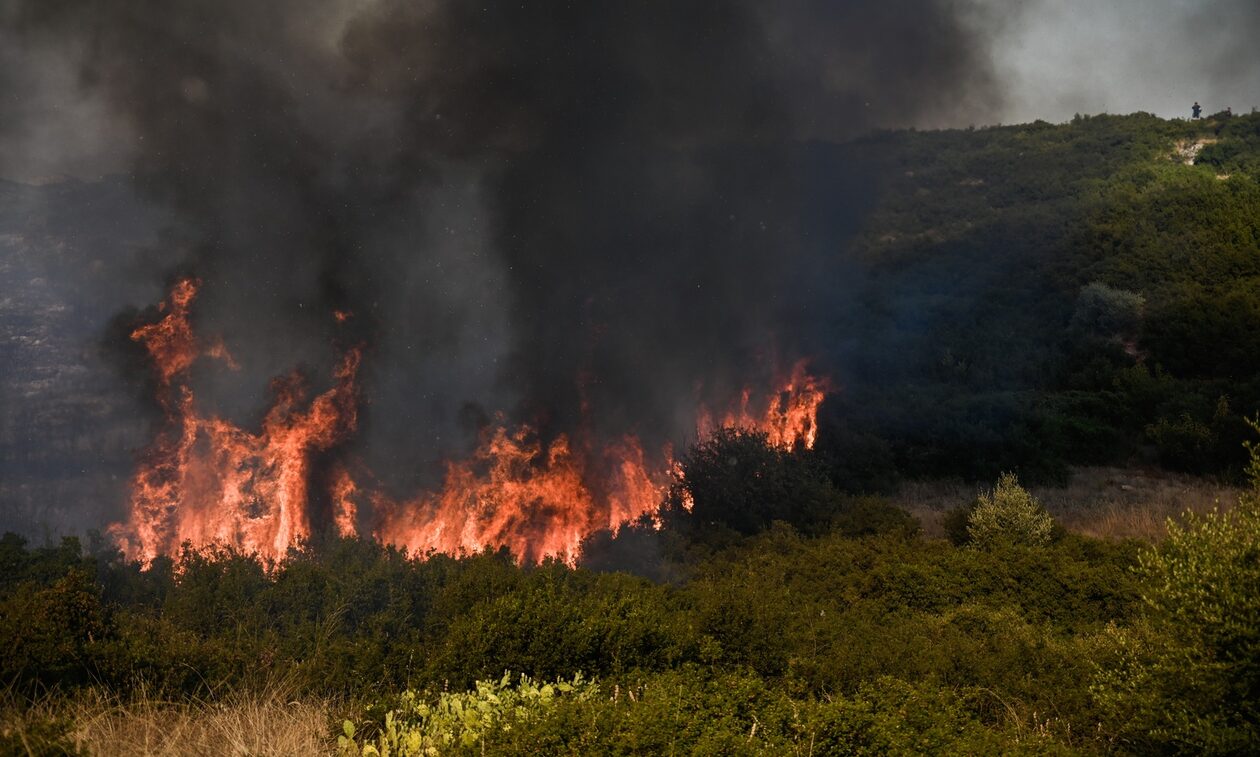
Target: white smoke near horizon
pixel 1057 58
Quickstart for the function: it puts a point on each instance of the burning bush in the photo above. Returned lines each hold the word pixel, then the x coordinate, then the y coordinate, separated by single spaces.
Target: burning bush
pixel 736 479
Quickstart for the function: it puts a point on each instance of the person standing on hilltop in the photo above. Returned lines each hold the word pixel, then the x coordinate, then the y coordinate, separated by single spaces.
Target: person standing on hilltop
pixel 1197 110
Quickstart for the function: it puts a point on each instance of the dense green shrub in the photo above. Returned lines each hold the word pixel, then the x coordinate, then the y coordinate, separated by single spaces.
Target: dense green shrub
pixel 689 712
pixel 736 479
pixel 560 621
pixel 55 634
pixel 1009 514
pixel 1109 313
pixel 1188 680
pixel 955 523
pixel 462 720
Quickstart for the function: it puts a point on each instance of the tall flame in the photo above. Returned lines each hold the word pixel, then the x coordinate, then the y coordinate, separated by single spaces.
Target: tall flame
pixel 789 419
pixel 205 480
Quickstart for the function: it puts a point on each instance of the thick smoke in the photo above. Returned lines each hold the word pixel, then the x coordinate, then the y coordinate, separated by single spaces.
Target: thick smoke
pixel 589 216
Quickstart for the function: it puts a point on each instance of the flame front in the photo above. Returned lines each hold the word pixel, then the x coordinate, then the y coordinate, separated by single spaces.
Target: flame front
pixel 790 417
pixel 511 492
pixel 205 480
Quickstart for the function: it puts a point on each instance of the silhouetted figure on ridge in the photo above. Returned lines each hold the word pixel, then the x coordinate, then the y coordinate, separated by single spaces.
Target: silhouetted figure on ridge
pixel 1197 110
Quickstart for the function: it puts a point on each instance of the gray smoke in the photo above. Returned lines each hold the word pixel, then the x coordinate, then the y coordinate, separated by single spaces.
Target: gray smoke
pixel 1060 57
pixel 586 215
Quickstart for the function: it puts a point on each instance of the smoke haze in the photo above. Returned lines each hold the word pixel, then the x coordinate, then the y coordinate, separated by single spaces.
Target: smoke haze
pixel 577 214
pixel 581 215
pixel 1060 57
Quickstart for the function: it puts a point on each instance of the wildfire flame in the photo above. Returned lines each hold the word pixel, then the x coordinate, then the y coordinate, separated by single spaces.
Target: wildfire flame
pixel 789 420
pixel 205 480
pixel 511 492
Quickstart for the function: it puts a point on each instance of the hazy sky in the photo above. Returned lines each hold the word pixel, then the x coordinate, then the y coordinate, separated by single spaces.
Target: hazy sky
pixel 1061 57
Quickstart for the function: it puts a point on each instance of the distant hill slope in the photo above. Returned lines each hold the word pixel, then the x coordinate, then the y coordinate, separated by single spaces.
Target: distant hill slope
pixel 1038 295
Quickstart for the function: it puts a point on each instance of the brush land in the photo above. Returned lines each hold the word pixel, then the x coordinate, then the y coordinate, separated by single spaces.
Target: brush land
pixel 1075 305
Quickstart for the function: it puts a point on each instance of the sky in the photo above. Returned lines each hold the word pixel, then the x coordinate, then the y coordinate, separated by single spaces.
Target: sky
pixel 1056 58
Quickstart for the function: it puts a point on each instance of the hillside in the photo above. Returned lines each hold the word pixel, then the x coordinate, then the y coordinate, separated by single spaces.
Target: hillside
pixel 1023 299
pixel 1020 298
pixel 1030 297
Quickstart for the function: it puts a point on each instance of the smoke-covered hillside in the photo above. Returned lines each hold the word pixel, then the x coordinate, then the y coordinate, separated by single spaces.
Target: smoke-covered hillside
pixel 1041 295
pixel 1022 297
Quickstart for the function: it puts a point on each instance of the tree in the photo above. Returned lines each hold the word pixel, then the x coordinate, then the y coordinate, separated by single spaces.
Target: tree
pixel 737 479
pixel 1009 514
pixel 1109 313
pixel 1188 679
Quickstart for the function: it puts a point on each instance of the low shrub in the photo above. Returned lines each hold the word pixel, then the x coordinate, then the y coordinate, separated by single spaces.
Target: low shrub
pixel 1009 514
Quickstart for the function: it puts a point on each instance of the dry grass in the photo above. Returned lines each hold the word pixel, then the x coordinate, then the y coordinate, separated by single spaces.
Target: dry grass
pixel 1111 503
pixel 262 723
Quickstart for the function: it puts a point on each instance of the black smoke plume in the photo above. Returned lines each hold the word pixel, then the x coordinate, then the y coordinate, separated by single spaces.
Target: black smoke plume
pixel 587 215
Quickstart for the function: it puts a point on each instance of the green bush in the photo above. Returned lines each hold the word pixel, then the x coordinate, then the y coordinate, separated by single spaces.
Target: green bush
pixel 1108 313
pixel 1187 680
pixel 735 479
pixel 691 712
pixel 53 635
pixel 420 727
pixel 1009 514
pixel 956 522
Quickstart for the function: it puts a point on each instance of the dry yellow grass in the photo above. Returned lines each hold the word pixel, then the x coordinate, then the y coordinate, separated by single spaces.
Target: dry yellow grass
pixel 263 723
pixel 1113 503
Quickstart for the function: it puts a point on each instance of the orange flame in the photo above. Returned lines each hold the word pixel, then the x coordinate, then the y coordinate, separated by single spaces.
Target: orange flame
pixel 790 416
pixel 511 492
pixel 345 510
pixel 207 481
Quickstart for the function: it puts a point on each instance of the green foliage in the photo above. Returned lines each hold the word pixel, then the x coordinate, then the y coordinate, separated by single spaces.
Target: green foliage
pixel 870 516
pixel 779 626
pixel 36 736
pixel 1109 313
pixel 558 621
pixel 461 720
pixel 1009 514
pixel 736 482
pixel 54 634
pixel 1016 279
pixel 691 712
pixel 735 479
pixel 1184 443
pixel 1188 679
pixel 955 523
